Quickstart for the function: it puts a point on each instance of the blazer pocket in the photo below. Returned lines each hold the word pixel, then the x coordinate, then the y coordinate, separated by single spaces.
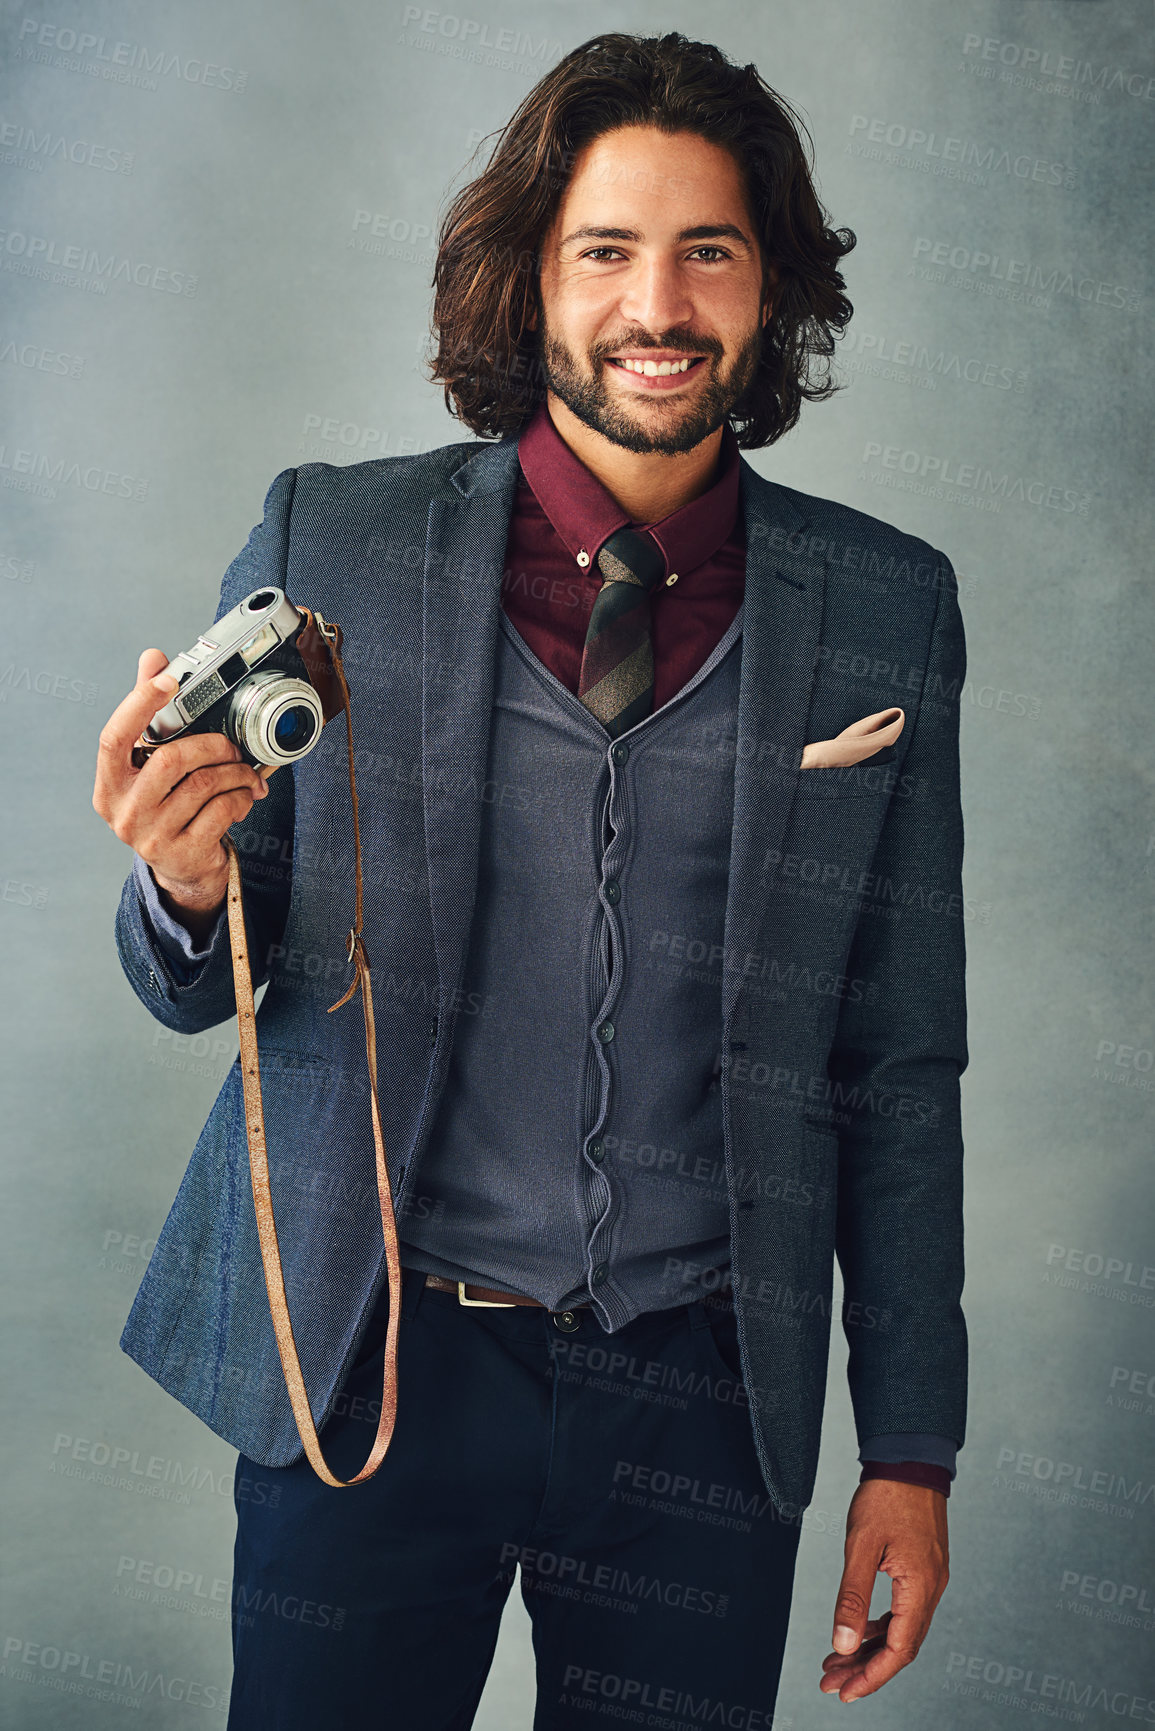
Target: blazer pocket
pixel 866 779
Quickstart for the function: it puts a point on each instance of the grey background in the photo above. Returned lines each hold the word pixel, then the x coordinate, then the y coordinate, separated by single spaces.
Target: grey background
pixel 293 320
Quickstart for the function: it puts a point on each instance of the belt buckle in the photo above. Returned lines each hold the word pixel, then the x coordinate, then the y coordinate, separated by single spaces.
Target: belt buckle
pixel 481 1303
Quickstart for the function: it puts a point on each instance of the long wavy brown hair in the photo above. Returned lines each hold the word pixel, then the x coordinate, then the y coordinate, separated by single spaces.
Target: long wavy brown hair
pixel 486 277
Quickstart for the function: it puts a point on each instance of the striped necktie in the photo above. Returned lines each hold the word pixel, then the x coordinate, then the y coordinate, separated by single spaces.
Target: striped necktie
pixel 617 673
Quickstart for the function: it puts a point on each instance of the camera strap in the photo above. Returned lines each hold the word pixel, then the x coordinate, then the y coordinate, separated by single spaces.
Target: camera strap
pixel 320 646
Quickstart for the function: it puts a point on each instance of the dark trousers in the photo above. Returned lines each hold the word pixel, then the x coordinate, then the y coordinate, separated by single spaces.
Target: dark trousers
pixel 618 1471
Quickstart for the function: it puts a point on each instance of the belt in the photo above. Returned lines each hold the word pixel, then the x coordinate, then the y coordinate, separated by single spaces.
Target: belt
pixel 489 1297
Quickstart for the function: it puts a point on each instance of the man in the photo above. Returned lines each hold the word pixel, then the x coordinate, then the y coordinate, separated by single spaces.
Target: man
pixel 637 802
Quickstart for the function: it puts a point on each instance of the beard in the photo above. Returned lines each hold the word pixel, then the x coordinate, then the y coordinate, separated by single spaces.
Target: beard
pixel 691 419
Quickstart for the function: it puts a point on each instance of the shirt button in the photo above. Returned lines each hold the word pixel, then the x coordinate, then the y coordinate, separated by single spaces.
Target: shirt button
pixel 600 1275
pixel 597 1151
pixel 619 751
pixel 606 1032
pixel 613 890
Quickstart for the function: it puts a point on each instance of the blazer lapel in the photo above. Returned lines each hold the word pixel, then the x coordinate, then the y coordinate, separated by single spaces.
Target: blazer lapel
pixel 464 560
pixel 781 625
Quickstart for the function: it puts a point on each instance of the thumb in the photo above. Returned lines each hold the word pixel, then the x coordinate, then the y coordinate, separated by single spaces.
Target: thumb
pixel 852 1607
pixel 149 664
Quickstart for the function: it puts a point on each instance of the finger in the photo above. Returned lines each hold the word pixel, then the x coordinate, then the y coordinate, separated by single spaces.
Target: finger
pixel 168 765
pixel 874 1638
pixel 149 663
pixel 216 816
pixel 838 1669
pixel 143 817
pixel 879 1668
pixel 198 789
pixel 114 760
pixel 904 1636
pixel 852 1607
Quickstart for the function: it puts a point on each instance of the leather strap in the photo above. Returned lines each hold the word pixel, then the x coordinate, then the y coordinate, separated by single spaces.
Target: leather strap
pixel 335 696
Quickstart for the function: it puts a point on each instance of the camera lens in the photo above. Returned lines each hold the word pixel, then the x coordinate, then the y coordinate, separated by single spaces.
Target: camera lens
pixel 274 717
pixel 294 728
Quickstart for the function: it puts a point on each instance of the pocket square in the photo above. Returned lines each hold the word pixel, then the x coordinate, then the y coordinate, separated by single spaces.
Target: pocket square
pixel 860 740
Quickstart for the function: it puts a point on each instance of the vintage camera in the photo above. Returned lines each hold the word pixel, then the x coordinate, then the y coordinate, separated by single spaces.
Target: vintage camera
pixel 262 676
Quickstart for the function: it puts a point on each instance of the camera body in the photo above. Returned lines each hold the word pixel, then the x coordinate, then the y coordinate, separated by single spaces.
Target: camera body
pixel 254 677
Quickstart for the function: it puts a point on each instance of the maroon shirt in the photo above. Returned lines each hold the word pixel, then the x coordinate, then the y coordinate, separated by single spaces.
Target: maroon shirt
pixel 562 510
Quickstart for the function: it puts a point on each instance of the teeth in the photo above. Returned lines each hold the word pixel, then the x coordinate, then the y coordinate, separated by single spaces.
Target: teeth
pixel 655 369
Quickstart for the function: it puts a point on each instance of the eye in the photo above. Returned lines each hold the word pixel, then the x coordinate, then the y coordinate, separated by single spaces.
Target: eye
pixel 595 250
pixel 719 250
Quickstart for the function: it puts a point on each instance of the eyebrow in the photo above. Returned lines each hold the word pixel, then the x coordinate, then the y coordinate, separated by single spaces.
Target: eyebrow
pixel 704 231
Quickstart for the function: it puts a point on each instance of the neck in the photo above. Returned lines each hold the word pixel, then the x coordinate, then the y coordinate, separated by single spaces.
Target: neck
pixel 648 487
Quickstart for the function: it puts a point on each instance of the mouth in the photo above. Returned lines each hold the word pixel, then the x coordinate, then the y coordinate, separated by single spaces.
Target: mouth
pixel 669 368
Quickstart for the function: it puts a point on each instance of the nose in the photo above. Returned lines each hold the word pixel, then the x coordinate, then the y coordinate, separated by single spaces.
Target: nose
pixel 656 296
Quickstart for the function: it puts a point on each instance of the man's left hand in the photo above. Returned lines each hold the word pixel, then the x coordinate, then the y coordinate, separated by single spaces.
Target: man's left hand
pixel 899 1529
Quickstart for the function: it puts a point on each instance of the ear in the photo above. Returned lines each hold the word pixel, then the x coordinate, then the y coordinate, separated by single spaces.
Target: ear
pixel 772 284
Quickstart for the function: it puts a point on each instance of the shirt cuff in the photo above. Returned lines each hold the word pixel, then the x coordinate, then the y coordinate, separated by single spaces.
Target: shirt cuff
pixel 908 1473
pixel 175 940
pixel 911 1457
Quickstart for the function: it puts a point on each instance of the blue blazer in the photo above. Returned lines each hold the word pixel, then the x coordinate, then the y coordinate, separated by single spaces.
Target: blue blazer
pixel 843 1007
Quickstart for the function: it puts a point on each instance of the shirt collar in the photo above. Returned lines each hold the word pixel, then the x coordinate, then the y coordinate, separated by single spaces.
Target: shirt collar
pixel 584 514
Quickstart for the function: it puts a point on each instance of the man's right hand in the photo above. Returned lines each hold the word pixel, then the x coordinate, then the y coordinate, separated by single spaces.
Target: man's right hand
pixel 175 810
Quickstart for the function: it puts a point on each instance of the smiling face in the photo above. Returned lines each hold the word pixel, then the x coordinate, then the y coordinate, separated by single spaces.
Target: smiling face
pixel 651 289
